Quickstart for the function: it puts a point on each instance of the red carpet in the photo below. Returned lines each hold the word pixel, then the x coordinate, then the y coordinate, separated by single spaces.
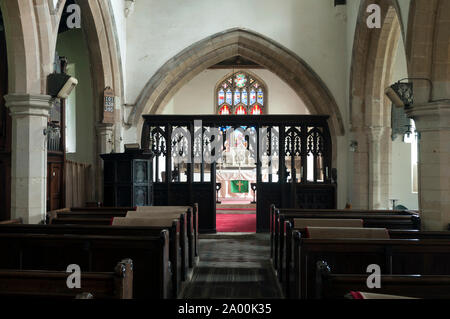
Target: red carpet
pixel 236 223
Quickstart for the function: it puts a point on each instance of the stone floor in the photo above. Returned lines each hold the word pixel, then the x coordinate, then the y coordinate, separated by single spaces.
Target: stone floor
pixel 233 266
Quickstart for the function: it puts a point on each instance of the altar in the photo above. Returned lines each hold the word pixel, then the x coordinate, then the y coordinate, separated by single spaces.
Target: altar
pixel 225 176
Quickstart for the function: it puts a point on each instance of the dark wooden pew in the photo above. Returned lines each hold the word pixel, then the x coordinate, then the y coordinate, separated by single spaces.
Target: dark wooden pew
pixel 195 214
pixel 352 256
pixel 124 210
pixel 414 222
pixel 336 286
pixel 371 219
pixel 287 265
pixel 175 253
pixel 192 224
pixel 94 253
pixel 53 284
pixel 12 221
pixel 105 215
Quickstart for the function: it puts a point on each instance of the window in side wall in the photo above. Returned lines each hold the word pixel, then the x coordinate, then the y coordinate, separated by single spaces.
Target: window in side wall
pixel 414 159
pixel 71 115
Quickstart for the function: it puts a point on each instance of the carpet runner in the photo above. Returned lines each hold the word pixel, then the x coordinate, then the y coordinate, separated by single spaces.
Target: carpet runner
pixel 236 223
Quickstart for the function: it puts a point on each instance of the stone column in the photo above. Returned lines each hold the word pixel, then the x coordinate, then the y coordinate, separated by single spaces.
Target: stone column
pixel 105 143
pixel 29 115
pixel 433 124
pixel 374 134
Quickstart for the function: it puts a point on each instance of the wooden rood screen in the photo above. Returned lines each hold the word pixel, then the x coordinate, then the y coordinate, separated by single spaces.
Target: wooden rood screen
pixel 292 155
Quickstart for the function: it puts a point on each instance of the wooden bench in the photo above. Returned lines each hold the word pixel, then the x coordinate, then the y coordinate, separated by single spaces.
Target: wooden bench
pixel 372 219
pixel 94 253
pixel 192 224
pixel 12 221
pixel 53 284
pixel 195 214
pixel 336 286
pixel 176 253
pixel 275 225
pixel 105 215
pixel 352 256
pixel 174 238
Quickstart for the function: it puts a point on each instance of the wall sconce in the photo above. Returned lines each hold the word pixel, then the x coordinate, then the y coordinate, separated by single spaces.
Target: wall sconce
pixel 353 146
pixel 60 85
pixel 401 94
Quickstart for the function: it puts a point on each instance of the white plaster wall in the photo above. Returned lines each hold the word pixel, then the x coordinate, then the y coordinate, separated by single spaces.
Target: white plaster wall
pixel 198 95
pixel 72 45
pixel 158 30
pixel 401 168
pixel 118 8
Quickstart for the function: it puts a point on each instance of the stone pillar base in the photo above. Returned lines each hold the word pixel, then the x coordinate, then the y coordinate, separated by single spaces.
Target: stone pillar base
pixel 29 115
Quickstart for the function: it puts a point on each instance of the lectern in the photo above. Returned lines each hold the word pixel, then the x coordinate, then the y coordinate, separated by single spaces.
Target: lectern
pixel 128 179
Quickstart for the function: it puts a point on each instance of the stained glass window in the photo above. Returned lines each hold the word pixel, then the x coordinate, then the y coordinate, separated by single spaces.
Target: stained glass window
pixel 240 110
pixel 252 97
pixel 237 97
pixel 261 97
pixel 244 97
pixel 256 110
pixel 224 110
pixel 229 97
pixel 241 93
pixel 221 97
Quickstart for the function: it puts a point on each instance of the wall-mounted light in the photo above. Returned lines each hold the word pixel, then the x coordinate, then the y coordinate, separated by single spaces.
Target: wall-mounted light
pixel 60 85
pixel 401 94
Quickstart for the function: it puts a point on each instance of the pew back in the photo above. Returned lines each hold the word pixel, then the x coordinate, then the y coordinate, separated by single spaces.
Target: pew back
pixel 337 286
pixel 53 284
pixel 173 227
pixel 93 253
pixel 352 256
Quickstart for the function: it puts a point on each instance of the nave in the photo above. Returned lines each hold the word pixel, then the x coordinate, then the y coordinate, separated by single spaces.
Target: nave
pixel 233 267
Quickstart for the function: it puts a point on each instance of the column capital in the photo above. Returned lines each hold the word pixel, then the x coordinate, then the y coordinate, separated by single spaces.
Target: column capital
pixel 28 104
pixel 375 132
pixel 104 128
pixel 434 116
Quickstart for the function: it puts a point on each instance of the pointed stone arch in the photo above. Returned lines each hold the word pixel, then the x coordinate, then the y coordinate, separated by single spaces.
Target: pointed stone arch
pixel 374 51
pixel 253 46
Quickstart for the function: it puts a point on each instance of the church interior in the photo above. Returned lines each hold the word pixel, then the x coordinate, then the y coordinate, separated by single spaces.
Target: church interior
pixel 200 150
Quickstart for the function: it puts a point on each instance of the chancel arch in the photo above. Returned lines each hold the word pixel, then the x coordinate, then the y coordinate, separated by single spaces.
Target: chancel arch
pixel 178 70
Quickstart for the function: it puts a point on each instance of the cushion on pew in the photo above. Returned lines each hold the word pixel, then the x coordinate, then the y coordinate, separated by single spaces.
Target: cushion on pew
pixel 300 223
pixel 133 214
pixel 346 233
pixel 367 295
pixel 157 222
pixel 180 209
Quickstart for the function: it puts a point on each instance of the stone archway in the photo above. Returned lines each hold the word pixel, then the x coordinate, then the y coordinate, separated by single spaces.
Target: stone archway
pixel 373 53
pixel 31 32
pixel 224 45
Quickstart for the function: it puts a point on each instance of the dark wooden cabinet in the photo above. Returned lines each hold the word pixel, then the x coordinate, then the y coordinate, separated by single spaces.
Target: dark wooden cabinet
pixel 127 179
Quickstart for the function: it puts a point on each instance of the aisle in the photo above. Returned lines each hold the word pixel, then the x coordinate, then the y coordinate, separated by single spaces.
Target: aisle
pixel 233 266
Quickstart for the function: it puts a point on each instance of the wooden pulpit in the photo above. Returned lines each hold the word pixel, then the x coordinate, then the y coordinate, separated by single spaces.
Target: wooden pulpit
pixel 128 180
